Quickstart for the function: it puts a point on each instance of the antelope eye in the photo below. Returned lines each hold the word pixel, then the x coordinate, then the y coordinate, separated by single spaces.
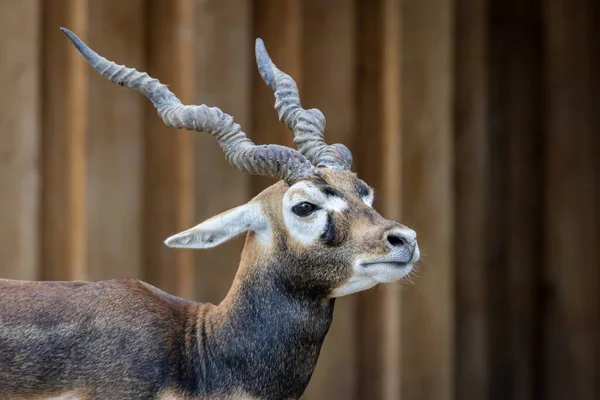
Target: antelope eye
pixel 304 209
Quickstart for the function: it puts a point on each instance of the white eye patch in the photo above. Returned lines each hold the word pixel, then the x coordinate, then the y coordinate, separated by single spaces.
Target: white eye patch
pixel 308 229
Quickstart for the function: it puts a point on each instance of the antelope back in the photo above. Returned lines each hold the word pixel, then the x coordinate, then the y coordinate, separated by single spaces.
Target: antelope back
pixel 82 340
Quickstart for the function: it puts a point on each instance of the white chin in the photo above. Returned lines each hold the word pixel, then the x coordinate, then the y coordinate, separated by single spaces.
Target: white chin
pixel 387 273
pixel 366 277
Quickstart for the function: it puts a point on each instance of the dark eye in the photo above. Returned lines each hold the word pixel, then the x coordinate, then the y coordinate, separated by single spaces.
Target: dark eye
pixel 304 209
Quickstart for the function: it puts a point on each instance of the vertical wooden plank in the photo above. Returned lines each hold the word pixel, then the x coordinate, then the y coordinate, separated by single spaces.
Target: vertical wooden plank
pixel 279 24
pixel 169 164
pixel 328 46
pixel 379 161
pixel 371 352
pixel 391 191
pixel 427 308
pixel 572 231
pixel 115 145
pixel 224 72
pixel 19 136
pixel 515 197
pixel 63 143
pixel 471 197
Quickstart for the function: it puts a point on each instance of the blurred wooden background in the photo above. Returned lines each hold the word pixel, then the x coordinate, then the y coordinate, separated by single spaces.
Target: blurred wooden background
pixel 477 121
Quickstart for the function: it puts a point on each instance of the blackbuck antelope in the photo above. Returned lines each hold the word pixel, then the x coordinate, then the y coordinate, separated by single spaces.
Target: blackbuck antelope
pixel 311 237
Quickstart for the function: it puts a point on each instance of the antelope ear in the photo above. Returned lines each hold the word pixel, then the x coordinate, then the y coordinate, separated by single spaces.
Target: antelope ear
pixel 221 228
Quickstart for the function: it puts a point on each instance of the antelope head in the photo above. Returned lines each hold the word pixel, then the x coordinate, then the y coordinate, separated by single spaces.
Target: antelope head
pixel 315 230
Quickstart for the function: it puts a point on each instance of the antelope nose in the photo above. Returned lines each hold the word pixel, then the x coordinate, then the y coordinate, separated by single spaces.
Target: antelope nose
pixel 403 238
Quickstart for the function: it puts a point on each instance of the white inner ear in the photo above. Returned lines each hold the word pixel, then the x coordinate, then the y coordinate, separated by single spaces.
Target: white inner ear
pixel 368 199
pixel 223 227
pixel 308 229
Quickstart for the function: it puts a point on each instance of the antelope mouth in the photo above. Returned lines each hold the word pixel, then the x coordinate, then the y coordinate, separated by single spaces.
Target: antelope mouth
pixel 386 270
pixel 387 264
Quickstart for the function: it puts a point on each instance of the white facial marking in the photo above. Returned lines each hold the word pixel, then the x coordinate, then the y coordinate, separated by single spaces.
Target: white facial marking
pixel 307 229
pixel 336 204
pixel 304 191
pixel 365 276
pixel 357 283
pixel 224 227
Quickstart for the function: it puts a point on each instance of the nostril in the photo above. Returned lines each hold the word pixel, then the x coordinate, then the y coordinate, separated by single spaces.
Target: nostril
pixel 397 240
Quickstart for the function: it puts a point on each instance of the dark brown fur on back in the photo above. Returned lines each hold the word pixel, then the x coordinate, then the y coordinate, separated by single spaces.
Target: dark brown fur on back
pixel 124 339
pixel 114 338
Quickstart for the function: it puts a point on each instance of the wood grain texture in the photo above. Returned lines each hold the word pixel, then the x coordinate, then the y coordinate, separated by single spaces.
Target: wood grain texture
pixel 471 164
pixel 372 377
pixel 476 121
pixel 115 128
pixel 169 163
pixel 64 110
pixel 19 139
pixel 572 210
pixel 427 87
pixel 329 84
pixel 224 72
pixel 391 192
pixel 515 215
pixel 279 24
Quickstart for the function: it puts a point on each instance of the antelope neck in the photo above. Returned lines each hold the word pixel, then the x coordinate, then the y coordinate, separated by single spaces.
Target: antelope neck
pixel 262 340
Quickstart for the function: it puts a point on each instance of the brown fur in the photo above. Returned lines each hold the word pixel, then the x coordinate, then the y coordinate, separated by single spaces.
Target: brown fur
pixel 124 339
pixel 363 228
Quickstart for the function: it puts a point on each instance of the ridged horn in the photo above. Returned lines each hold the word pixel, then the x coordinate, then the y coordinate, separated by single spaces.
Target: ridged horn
pixel 308 125
pixel 268 160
